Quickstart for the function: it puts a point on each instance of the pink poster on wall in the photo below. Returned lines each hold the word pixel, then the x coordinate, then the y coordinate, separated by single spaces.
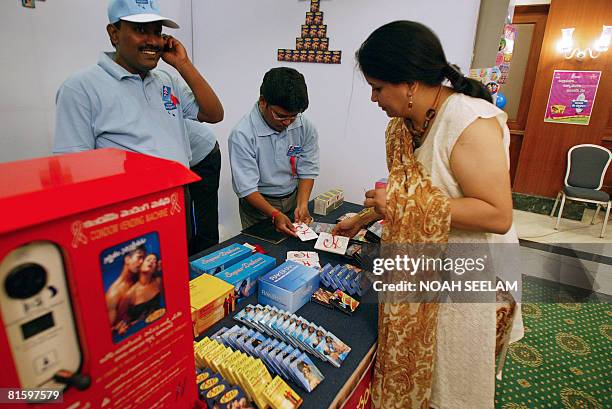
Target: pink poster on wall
pixel 571 98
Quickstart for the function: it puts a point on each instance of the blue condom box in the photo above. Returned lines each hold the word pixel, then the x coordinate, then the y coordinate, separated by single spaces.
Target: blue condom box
pixel 216 262
pixel 288 287
pixel 244 274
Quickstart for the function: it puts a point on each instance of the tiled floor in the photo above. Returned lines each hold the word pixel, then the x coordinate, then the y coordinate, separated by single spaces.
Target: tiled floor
pixel 573 255
pixel 540 228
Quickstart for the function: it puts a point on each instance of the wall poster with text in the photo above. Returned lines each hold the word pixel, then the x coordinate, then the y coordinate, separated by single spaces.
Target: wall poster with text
pixel 571 98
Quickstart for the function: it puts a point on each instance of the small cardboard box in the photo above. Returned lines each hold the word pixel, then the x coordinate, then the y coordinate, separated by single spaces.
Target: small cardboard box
pixel 244 274
pixel 216 262
pixel 212 299
pixel 338 198
pixel 321 204
pixel 328 201
pixel 289 286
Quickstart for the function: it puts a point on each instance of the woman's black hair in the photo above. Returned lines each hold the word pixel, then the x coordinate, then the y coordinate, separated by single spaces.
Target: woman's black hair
pixel 406 51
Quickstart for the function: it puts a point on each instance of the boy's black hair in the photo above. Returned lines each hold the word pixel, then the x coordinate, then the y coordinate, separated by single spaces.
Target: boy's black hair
pixel 286 88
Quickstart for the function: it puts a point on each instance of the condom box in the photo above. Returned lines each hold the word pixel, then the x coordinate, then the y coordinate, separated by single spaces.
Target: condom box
pixel 288 287
pixel 328 201
pixel 244 274
pixel 212 299
pixel 219 260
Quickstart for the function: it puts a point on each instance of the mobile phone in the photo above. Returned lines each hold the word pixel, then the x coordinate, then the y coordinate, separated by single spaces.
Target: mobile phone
pixel 166 39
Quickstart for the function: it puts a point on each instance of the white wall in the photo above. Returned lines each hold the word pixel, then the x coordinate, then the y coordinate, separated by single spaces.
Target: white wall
pixel 236 41
pixel 234 44
pixel 40 48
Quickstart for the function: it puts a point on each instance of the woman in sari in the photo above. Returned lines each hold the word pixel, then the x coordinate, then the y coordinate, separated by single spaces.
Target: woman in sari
pixel 447 155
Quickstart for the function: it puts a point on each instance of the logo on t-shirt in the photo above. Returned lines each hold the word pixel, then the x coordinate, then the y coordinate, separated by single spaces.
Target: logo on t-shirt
pixel 294 150
pixel 169 100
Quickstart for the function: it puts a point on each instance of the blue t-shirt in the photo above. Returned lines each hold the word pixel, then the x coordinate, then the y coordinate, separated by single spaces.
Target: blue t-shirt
pixel 106 106
pixel 202 140
pixel 259 155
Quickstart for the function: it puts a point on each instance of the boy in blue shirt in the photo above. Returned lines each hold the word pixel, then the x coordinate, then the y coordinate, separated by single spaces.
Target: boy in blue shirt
pixel 274 154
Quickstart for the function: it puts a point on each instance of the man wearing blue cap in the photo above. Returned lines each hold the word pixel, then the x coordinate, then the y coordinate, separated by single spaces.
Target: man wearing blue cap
pixel 124 101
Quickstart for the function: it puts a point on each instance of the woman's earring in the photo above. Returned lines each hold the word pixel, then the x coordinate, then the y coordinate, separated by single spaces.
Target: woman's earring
pixel 410 102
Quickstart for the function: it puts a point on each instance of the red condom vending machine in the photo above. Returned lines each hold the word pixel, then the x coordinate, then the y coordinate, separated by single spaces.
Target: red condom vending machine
pixel 94 295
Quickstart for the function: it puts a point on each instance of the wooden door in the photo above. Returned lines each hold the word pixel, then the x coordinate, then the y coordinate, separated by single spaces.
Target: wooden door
pixel 530 22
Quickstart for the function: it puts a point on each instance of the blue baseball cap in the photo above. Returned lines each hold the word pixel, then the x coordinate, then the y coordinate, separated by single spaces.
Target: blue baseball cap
pixel 137 11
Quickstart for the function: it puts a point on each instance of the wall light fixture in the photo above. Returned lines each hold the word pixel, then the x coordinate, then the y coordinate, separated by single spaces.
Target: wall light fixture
pixel 566 44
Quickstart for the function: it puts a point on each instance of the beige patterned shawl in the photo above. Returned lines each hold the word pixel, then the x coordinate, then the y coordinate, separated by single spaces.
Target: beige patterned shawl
pixel 417 212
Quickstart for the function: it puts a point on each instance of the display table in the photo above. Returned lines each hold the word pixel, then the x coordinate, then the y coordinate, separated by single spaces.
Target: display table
pixel 357 331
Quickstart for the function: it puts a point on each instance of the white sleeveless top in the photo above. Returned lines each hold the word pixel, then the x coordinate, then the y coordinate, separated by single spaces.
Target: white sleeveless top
pixel 465 349
pixel 454 116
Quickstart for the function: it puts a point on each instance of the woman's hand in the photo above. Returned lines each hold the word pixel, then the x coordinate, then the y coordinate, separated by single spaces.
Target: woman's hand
pixel 348 227
pixel 377 198
pixel 122 327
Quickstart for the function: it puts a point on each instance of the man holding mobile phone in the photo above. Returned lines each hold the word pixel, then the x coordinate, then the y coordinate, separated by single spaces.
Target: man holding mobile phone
pixel 124 101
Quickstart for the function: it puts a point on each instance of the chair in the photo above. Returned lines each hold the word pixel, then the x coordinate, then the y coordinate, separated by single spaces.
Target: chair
pixel 586 169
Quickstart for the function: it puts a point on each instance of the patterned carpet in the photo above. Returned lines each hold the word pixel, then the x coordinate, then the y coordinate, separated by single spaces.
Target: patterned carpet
pixel 565 359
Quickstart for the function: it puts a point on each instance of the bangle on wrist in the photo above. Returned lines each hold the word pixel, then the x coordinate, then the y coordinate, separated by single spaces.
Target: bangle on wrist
pixel 365 213
pixel 274 214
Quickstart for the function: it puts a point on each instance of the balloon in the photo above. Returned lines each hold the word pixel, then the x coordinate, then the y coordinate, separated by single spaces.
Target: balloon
pixel 501 100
